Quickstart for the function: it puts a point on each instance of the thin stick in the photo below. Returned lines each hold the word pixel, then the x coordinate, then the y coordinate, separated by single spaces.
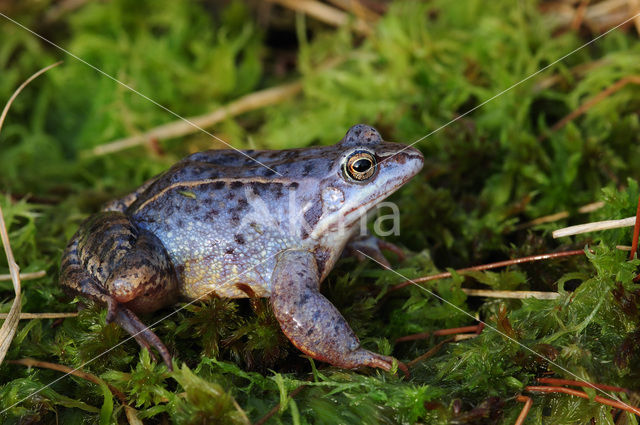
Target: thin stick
pixel 636 233
pixel 517 295
pixel 634 79
pixel 181 128
pixel 557 381
pixel 489 266
pixel 28 316
pixel 66 369
pixel 275 408
pixel 25 276
pixel 582 394
pixel 528 402
pixel 594 227
pixel 579 16
pixel 325 13
pixel 10 325
pixel 440 332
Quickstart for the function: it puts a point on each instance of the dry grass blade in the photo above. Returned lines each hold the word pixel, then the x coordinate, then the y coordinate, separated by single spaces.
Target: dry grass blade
pixel 10 325
pixel 517 295
pixel 25 276
pixel 594 206
pixel 357 8
pixel 594 226
pixel 636 233
pixel 29 316
pixel 132 416
pixel 324 13
pixel 181 127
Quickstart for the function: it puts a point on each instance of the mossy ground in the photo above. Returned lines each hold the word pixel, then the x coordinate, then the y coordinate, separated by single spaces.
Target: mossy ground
pixel 424 64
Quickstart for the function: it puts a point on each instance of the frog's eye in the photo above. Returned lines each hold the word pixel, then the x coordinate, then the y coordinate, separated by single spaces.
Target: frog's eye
pixel 360 166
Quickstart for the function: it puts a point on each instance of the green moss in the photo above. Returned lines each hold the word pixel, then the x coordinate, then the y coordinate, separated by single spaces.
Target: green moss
pixel 425 64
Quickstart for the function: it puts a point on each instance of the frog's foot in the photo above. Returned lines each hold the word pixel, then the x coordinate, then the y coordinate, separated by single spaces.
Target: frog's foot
pixel 368 245
pixel 371 359
pixel 310 321
pixel 145 336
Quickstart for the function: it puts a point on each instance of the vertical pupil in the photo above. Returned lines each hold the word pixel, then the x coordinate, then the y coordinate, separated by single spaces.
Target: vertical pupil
pixel 361 165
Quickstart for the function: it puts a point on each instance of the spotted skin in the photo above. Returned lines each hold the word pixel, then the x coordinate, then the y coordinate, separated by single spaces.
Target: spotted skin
pixel 219 224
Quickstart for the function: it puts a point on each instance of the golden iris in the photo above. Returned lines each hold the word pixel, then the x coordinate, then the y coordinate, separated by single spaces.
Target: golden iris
pixel 360 166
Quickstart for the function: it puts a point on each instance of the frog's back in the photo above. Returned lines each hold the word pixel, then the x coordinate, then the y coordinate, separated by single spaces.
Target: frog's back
pixel 223 218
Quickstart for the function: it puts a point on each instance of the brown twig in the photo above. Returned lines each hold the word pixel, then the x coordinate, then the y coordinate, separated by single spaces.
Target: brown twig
pixel 489 266
pixel 441 332
pixel 579 16
pixel 604 387
pixel 275 408
pixel 25 276
pixel 618 85
pixel 28 316
pixel 636 233
pixel 325 13
pixel 438 346
pixel 180 128
pixel 528 402
pixel 75 372
pixel 10 325
pixel 582 394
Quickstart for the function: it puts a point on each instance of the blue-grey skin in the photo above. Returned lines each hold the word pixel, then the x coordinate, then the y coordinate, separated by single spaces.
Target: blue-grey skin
pixel 220 224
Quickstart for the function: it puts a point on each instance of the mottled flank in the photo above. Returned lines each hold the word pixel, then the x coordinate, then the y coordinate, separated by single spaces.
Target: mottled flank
pixel 220 224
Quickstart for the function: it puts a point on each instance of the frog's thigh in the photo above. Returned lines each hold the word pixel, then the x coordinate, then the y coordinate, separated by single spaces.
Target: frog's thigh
pixel 144 279
pixel 310 321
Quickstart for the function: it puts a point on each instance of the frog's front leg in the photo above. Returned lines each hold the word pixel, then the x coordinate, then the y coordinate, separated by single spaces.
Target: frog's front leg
pixel 310 321
pixel 368 245
pixel 116 263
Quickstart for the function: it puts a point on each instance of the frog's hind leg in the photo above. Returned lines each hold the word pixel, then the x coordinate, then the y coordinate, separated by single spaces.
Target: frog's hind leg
pixel 116 263
pixel 310 321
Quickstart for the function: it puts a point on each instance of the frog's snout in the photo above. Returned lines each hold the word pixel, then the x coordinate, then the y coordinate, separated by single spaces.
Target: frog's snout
pixel 414 160
pixel 407 161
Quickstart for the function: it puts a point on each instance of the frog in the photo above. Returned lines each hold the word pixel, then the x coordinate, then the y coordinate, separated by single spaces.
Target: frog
pixel 244 224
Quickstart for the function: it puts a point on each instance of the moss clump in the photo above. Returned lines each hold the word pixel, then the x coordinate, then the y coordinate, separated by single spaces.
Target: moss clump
pixel 424 64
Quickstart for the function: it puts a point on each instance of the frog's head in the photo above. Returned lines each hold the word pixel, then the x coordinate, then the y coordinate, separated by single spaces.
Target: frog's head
pixel 361 171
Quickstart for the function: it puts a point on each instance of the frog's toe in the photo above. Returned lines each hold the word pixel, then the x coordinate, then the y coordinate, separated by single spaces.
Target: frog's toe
pixel 369 246
pixel 145 336
pixel 112 310
pixel 371 359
